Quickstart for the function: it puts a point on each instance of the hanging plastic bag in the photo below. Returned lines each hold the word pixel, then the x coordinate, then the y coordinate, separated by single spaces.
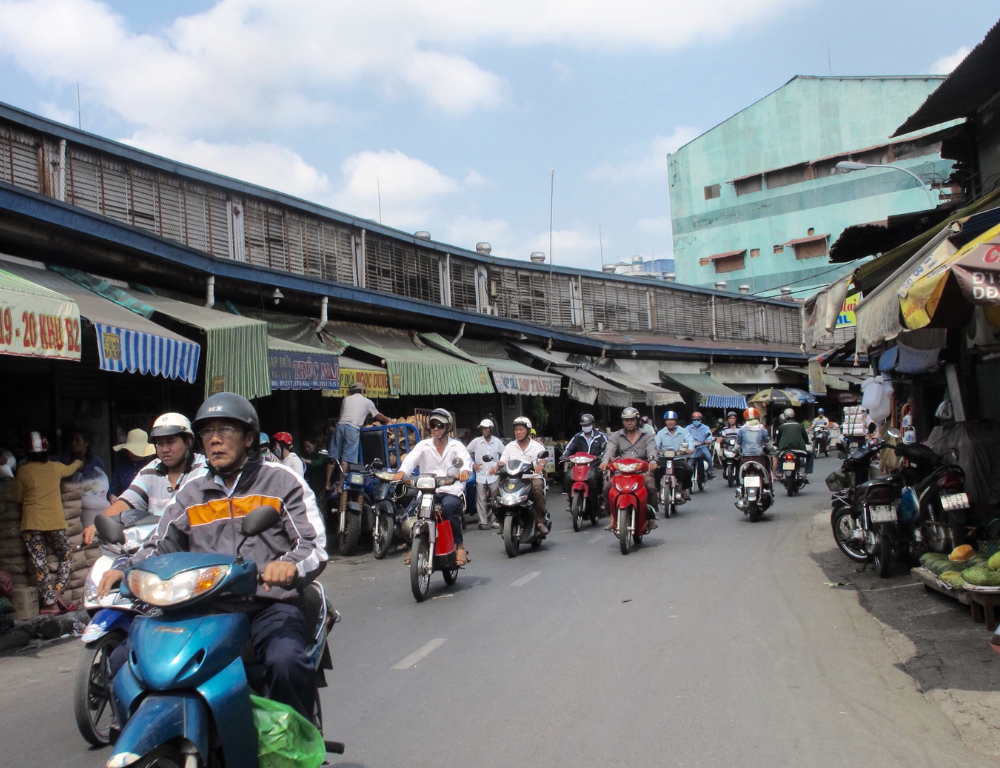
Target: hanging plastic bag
pixel 876 398
pixel 285 739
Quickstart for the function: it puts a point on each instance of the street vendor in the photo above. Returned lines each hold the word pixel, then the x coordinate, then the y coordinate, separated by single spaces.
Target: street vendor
pixel 345 443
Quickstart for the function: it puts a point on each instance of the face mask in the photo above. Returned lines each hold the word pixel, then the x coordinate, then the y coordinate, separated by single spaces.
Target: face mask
pixel 588 429
pixel 696 422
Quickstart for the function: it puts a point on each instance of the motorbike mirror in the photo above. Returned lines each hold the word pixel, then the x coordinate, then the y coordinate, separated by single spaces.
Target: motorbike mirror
pixel 893 432
pixel 110 529
pixel 259 520
pixel 486 458
pixel 456 462
pixel 377 464
pixel 543 455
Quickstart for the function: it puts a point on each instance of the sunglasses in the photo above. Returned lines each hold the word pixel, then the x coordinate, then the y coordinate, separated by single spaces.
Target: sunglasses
pixel 437 425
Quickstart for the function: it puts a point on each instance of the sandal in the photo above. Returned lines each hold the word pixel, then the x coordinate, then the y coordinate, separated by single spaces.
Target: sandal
pixel 65 608
pixel 50 610
pixel 406 560
pixel 461 556
pixel 609 527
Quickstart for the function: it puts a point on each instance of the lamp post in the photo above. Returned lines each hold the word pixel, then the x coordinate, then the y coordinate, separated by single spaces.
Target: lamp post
pixel 846 166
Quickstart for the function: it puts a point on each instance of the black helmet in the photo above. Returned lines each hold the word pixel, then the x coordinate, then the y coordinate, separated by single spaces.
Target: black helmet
pixel 228 405
pixel 586 420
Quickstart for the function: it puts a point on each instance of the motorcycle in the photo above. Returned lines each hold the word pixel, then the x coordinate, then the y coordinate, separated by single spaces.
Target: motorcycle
pixel 730 459
pixel 110 622
pixel 357 507
pixel 580 501
pixel 671 493
pixel 627 499
pixel 755 495
pixel 183 696
pixel 821 441
pixel 395 511
pixel 698 464
pixel 514 509
pixel 793 465
pixel 846 516
pixel 433 548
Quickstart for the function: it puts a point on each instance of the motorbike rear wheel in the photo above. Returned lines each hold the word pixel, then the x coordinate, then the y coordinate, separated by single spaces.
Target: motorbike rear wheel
pixel 420 578
pixel 511 535
pixel 753 510
pixel 700 474
pixel 624 515
pixel 382 538
pixel 882 554
pixel 450 575
pixel 348 538
pixel 92 695
pixel 790 486
pixel 576 509
pixel 845 529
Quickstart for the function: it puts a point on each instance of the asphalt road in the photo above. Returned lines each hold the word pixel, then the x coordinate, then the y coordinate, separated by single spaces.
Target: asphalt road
pixel 717 643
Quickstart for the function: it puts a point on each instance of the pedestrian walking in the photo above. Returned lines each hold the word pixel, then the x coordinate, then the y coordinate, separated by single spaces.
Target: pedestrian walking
pixel 486 481
pixel 346 440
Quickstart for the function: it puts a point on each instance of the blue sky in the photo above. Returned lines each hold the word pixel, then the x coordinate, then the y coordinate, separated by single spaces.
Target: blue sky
pixel 457 111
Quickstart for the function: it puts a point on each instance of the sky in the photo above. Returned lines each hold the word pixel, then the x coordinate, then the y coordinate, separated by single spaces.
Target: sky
pixel 451 116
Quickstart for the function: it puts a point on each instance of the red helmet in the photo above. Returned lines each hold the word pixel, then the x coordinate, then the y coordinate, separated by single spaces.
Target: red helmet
pixel 283 437
pixel 751 413
pixel 36 442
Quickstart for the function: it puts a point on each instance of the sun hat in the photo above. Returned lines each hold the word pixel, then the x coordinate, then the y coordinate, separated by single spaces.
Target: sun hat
pixel 137 442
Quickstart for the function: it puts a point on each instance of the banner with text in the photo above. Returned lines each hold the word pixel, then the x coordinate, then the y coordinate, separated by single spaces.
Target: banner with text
pixel 527 384
pixel 38 326
pixel 376 383
pixel 297 370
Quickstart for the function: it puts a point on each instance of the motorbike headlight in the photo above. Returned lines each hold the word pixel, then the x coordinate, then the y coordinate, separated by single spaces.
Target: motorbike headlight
pixel 509 499
pixel 426 483
pixel 150 588
pixel 356 478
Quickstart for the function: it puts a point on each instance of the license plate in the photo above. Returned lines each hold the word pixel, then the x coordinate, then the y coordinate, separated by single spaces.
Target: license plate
pixel 955 501
pixel 788 465
pixel 882 514
pixel 427 502
pixel 751 481
pixel 668 454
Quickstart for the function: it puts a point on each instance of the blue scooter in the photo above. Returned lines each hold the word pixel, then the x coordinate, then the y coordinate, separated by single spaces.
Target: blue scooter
pixel 183 696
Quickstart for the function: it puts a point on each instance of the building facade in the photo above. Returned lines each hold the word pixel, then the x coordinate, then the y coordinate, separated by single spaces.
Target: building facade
pixel 758 200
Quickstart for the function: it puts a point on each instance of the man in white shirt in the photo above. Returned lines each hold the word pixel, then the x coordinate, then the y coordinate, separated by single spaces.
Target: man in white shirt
pixel 436 456
pixel 345 442
pixel 486 480
pixel 523 448
pixel 288 457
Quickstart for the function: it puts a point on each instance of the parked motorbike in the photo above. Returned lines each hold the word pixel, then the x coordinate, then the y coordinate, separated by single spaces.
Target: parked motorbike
pixel 627 499
pixel 846 515
pixel 730 460
pixel 514 509
pixel 433 548
pixel 183 696
pixel 755 494
pixel 395 511
pixel 581 503
pixel 357 505
pixel 110 621
pixel 821 441
pixel 793 468
pixel 671 492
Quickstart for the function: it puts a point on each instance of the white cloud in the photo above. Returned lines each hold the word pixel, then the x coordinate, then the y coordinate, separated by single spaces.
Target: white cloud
pixel 571 247
pixel 249 63
pixel 946 64
pixel 649 160
pixel 55 112
pixel 466 231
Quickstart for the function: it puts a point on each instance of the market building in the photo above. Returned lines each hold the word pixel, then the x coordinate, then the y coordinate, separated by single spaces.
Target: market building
pixel 757 201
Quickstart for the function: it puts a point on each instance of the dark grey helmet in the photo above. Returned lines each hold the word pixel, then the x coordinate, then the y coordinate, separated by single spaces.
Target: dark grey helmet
pixel 630 413
pixel 586 420
pixel 228 405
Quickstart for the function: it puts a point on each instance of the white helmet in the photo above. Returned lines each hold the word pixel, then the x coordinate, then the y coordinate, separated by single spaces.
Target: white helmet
pixel 486 424
pixel 789 413
pixel 523 421
pixel 171 424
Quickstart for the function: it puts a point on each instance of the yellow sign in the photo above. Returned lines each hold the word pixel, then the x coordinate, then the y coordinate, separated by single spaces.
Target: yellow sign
pixel 846 318
pixel 217 385
pixel 376 383
pixel 112 346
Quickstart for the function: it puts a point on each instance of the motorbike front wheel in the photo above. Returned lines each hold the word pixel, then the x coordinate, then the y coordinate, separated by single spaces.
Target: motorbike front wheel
pixel 731 479
pixel 92 697
pixel 349 537
pixel 624 515
pixel 420 577
pixel 166 756
pixel 511 535
pixel 382 538
pixel 576 509
pixel 701 475
pixel 849 535
pixel 882 554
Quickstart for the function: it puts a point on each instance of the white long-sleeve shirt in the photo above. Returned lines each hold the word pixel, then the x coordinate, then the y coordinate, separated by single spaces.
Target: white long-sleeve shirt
pixel 426 460
pixel 480 447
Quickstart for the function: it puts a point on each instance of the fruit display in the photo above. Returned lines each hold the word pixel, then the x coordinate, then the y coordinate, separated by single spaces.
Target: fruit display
pixel 982 577
pixel 952 579
pixel 962 554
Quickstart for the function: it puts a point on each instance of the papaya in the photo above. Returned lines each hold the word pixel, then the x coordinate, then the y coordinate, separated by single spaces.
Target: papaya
pixel 994 562
pixel 982 577
pixel 962 554
pixel 952 578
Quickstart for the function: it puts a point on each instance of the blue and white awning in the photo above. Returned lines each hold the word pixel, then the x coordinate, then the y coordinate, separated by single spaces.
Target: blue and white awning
pixel 169 356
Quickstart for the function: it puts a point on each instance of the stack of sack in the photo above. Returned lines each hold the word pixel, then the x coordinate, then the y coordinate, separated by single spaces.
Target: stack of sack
pixel 13 554
pixel 74 499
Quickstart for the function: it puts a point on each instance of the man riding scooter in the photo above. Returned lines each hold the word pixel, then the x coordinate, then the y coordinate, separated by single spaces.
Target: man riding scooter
pixel 592 441
pixel 205 516
pixel 701 436
pixel 632 443
pixel 677 439
pixel 753 440
pixel 792 436
pixel 523 448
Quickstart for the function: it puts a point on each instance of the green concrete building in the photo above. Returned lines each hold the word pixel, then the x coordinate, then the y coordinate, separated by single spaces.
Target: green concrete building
pixel 757 201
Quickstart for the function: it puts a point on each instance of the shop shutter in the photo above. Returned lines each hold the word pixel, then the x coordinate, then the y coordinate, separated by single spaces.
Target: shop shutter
pixel 682 314
pixel 145 200
pixel 19 159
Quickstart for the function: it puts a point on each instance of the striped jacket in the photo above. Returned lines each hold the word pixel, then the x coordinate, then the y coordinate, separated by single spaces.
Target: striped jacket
pixel 202 517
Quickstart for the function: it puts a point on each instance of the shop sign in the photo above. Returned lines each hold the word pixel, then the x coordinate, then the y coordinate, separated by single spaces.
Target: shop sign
pixel 376 383
pixel 526 384
pixel 847 318
pixel 217 385
pixel 36 326
pixel 295 370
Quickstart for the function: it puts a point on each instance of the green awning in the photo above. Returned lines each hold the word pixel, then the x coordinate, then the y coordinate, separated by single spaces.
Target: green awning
pixel 414 368
pixel 509 376
pixel 236 357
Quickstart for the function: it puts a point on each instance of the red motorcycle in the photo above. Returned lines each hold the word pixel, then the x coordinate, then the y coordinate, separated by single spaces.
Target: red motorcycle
pixel 580 501
pixel 628 501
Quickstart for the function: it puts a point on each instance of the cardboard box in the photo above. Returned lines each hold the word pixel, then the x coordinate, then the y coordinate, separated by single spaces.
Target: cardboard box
pixel 25 602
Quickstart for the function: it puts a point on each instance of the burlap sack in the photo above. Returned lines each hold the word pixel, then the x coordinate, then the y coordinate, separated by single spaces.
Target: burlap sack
pixel 15 565
pixel 7 490
pixel 73 514
pixel 76 581
pixel 70 486
pixel 10 513
pixel 67 504
pixel 93 554
pixel 76 540
pixel 73 596
pixel 71 496
pixel 74 527
pixel 13 548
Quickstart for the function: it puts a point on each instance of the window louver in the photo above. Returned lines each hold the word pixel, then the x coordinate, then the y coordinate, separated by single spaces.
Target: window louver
pixel 19 159
pixel 463 284
pixel 682 314
pixel 615 306
pixel 402 269
pixel 737 320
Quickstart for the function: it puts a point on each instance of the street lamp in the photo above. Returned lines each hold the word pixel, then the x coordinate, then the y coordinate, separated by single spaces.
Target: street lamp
pixel 846 166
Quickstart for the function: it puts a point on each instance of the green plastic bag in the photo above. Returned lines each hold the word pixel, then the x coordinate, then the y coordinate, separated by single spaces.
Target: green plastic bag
pixel 285 739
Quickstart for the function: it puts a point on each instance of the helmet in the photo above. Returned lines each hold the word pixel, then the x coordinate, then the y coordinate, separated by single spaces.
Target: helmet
pixel 171 424
pixel 731 413
pixel 523 421
pixel 264 439
pixel 630 413
pixel 486 424
pixel 35 442
pixel 355 388
pixel 283 437
pixel 782 418
pixel 586 420
pixel 820 411
pixel 751 413
pixel 789 413
pixel 670 415
pixel 440 414
pixel 227 405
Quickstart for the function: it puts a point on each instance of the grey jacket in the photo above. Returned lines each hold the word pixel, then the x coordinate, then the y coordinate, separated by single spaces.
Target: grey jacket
pixel 203 517
pixel 619 446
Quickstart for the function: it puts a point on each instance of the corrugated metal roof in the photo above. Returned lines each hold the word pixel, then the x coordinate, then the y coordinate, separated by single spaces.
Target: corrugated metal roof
pixel 17 283
pixel 810 239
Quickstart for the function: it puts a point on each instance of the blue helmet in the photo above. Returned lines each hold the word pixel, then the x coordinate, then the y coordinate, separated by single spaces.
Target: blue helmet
pixel 670 415
pixel 264 439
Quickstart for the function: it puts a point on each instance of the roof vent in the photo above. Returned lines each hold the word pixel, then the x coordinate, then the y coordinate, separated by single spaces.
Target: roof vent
pixel 422 235
pixel 669 277
pixel 637 262
pixel 720 285
pixel 786 292
pixel 608 269
pixel 744 289
pixel 537 257
pixel 484 248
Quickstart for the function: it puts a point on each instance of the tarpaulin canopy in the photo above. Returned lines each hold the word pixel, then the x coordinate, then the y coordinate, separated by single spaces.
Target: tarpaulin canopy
pixel 587 388
pixel 509 376
pixel 414 368
pixel 821 310
pixel 712 393
pixel 648 393
pixel 298 356
pixel 36 321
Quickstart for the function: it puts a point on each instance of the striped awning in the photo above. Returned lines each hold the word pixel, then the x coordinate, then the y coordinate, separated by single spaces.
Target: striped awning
pixel 711 393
